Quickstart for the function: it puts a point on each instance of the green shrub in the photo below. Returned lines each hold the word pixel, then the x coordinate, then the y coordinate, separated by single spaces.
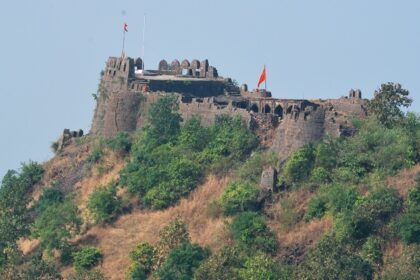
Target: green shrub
pixel 96 155
pixel 142 259
pixel 66 253
pixel 372 252
pixel 413 199
pixel 104 203
pixel 121 143
pixel 320 175
pixel 316 208
pixel 409 227
pixel 289 215
pixel 193 135
pixel 372 211
pixel 251 232
pixel 405 266
pixel 299 166
pixel 15 192
pixel 261 266
pixel 48 196
pixel 164 121
pixel 331 259
pixel 39 269
pixel 340 198
pixel 224 264
pixel 182 262
pixel 214 209
pixel 239 197
pixel 56 224
pixel 87 275
pixel 87 258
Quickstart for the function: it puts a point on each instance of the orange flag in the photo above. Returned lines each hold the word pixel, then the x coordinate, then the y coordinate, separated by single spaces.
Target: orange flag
pixel 262 77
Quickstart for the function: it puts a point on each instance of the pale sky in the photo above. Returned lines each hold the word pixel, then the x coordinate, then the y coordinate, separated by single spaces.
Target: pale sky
pixel 52 53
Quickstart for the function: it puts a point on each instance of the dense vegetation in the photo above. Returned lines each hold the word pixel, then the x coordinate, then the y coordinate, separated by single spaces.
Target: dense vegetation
pixel 344 180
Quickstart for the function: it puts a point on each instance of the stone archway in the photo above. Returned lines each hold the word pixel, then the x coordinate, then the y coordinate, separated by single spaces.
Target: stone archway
pixel 254 108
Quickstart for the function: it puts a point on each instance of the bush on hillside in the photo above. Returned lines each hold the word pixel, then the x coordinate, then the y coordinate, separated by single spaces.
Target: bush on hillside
pixel 182 262
pixel 331 259
pixel 48 197
pixel 142 260
pixel 104 203
pixel 223 264
pixel 121 143
pixel 299 166
pixel 239 197
pixel 250 232
pixel 262 266
pixel 86 258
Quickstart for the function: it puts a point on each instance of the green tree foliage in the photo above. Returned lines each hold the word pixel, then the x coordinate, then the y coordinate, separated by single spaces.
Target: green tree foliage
pixel 372 252
pixel 14 198
pixel 225 264
pixel 96 155
pixel 56 224
pixel 370 213
pixel 171 236
pixel 387 102
pixel 48 196
pixel 333 260
pixel 408 225
pixel 104 203
pixel 182 262
pixel 121 143
pixel 405 266
pixel 239 197
pixel 86 258
pixel 160 174
pixel 142 261
pixel 316 208
pixel 262 266
pixel 87 275
pixel 193 135
pixel 299 166
pixel 251 233
pixel 164 121
pixel 40 269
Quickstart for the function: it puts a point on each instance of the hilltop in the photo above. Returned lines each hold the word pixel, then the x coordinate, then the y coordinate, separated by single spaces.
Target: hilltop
pixel 187 175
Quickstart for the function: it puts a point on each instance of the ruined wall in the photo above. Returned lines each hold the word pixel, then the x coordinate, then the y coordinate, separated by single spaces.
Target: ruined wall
pixel 283 125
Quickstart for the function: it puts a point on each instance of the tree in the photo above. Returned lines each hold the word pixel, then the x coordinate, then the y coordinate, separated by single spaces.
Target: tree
pixel 104 203
pixel 333 260
pixel 87 258
pixel 387 102
pixel 56 224
pixel 262 266
pixel 182 261
pixel 164 120
pixel 251 232
pixel 238 197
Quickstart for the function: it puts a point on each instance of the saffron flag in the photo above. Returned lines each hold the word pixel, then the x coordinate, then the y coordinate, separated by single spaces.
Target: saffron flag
pixel 262 77
pixel 125 27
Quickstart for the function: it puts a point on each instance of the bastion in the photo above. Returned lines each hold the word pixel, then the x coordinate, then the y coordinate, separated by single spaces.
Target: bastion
pixel 126 91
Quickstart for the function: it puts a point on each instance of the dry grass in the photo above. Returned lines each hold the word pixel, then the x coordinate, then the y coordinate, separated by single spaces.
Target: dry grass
pixel 405 180
pixel 118 239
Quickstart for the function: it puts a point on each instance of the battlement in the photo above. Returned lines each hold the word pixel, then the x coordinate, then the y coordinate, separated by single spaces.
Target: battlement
pixel 127 91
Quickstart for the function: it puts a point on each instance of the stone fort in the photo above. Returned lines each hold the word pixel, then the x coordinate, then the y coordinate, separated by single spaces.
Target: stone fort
pixel 283 125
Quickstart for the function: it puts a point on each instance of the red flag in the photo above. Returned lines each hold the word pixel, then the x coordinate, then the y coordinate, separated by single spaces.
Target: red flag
pixel 262 77
pixel 125 27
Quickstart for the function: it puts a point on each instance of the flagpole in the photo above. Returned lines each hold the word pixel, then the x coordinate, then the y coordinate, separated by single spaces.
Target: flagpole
pixel 142 52
pixel 265 81
pixel 122 53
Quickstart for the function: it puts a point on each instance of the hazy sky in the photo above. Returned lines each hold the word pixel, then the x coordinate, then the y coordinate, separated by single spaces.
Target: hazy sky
pixel 52 53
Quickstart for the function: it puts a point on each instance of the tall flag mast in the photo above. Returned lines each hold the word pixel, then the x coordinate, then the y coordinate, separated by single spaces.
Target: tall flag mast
pixel 142 51
pixel 125 30
pixel 263 78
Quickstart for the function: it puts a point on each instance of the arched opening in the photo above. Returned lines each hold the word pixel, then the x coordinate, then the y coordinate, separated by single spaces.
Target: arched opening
pixel 254 108
pixel 267 109
pixel 278 111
